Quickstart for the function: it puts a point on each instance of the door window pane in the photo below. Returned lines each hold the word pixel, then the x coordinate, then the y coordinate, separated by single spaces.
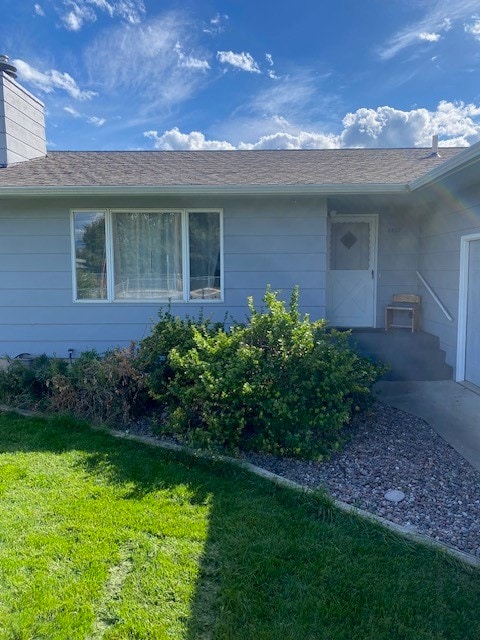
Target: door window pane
pixel 90 255
pixel 147 250
pixel 204 236
pixel 350 246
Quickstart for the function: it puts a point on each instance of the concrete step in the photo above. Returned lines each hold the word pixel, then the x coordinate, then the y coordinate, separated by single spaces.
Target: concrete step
pixel 411 356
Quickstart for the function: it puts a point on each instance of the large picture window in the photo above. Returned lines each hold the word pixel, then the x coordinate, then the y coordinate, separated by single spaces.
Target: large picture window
pixel 133 255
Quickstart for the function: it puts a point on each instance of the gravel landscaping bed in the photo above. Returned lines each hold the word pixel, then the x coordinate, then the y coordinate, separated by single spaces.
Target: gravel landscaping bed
pixel 391 449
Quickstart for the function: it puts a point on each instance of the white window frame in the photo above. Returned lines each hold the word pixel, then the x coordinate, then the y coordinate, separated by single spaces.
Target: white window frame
pixel 109 213
pixel 74 255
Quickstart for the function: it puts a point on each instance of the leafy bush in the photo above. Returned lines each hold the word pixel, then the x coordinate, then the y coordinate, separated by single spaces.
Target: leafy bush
pixel 280 384
pixel 170 332
pixel 108 389
pixel 25 385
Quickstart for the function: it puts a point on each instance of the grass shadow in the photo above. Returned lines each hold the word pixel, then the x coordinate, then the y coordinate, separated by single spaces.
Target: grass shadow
pixel 277 563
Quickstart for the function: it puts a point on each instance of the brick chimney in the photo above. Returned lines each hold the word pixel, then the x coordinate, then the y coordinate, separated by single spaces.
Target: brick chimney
pixel 22 120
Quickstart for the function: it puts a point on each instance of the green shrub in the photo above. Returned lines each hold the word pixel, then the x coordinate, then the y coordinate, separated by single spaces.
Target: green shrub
pixel 168 333
pixel 108 389
pixel 280 384
pixel 25 384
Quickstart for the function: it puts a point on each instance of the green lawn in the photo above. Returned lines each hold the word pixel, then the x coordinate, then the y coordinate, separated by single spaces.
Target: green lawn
pixel 106 538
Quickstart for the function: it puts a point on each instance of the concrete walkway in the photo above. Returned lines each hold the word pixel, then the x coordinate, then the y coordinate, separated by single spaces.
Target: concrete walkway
pixel 449 408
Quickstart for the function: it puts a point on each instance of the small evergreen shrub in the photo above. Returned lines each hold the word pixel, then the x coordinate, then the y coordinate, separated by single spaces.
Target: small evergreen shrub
pixel 279 384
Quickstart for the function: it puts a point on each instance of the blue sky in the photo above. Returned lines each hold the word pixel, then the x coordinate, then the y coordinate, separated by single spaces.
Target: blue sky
pixel 160 74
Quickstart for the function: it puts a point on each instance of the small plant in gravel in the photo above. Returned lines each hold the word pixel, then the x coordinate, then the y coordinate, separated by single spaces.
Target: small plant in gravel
pixel 280 384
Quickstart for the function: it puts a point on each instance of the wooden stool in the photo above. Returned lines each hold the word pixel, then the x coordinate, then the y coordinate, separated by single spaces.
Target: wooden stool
pixel 408 306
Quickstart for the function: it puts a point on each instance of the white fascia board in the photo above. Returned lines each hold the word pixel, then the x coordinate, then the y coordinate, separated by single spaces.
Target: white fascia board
pixel 294 189
pixel 460 161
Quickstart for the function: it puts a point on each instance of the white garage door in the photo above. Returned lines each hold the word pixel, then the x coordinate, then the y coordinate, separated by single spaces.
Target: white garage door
pixel 472 337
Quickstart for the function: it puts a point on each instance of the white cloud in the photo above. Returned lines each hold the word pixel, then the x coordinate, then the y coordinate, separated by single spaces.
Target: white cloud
pixel 149 62
pixel 293 96
pixel 216 24
pixel 39 10
pixel 190 62
pixel 51 81
pixel 195 140
pixel 78 13
pixel 72 21
pixel 425 36
pixel 243 61
pixel 389 127
pixel 132 11
pixel 292 104
pixel 439 19
pixel 301 140
pixel 73 112
pixel 473 28
pixel 96 121
pixel 271 72
pixel 457 124
pixel 75 13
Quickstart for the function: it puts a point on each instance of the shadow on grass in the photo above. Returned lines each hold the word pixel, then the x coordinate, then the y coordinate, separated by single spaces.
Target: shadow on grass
pixel 278 564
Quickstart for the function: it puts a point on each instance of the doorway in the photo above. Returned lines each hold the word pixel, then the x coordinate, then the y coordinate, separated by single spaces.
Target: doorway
pixel 351 276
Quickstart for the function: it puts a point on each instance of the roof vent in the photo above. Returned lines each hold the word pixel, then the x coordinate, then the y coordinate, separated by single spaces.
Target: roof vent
pixel 435 146
pixel 8 68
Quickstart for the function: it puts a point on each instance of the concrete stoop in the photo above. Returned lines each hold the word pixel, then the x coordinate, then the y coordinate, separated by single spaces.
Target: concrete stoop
pixel 410 356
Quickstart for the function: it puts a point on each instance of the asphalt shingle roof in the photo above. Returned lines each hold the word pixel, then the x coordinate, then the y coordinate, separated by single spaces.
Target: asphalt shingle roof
pixel 220 168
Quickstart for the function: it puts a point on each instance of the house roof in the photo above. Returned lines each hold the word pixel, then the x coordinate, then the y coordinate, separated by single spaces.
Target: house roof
pixel 302 167
pixel 314 170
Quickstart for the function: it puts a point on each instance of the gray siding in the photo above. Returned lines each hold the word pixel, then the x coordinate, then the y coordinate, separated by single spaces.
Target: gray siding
pixel 442 225
pixel 276 241
pixel 397 257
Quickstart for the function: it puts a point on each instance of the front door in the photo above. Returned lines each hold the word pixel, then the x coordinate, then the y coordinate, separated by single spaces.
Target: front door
pixel 352 268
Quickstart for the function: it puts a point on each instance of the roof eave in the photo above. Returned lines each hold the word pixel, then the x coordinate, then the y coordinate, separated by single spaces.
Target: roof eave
pixel 465 158
pixel 248 189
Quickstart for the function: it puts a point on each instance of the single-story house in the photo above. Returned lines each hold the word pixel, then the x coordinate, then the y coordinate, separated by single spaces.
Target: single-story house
pixel 93 243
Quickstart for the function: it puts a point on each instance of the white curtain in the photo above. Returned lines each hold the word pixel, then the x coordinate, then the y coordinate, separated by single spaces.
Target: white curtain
pixel 148 255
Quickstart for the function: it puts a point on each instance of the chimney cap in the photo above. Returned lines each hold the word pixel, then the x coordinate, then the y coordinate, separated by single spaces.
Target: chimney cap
pixel 8 68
